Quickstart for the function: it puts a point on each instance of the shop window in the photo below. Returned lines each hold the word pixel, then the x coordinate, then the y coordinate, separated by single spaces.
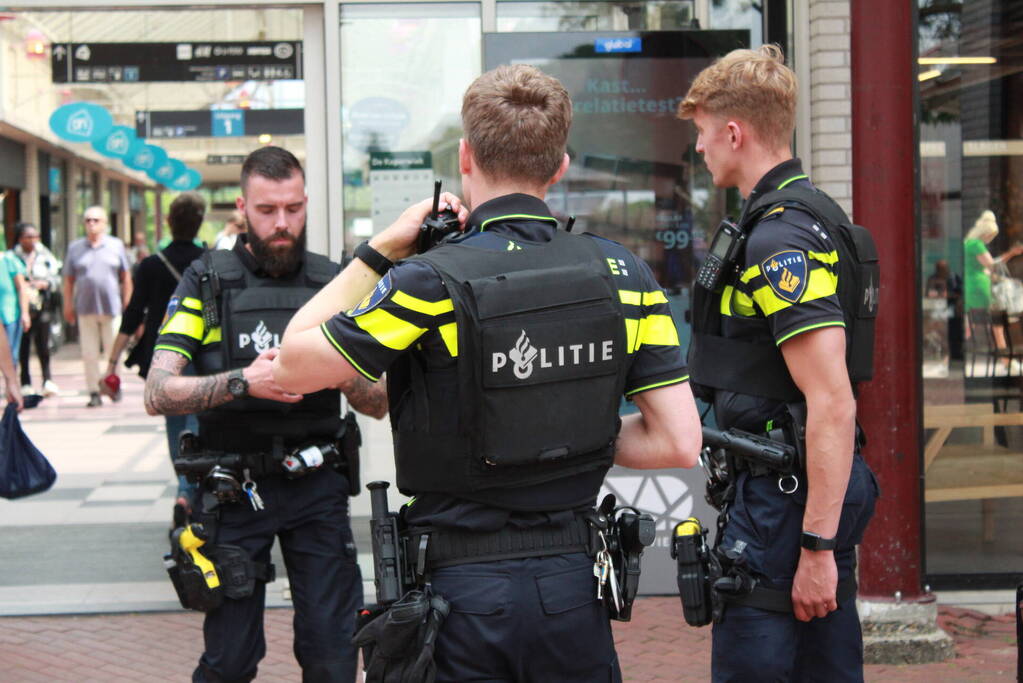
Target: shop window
pixel 670 15
pixel 971 227
pixel 404 69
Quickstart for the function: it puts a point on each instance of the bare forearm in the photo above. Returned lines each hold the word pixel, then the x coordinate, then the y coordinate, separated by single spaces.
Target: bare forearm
pixel 168 393
pixel 118 347
pixel 345 291
pixel 830 434
pixel 365 396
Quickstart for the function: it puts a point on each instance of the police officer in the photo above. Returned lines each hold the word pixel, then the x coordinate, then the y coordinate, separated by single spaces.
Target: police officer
pixel 784 294
pixel 507 352
pixel 227 317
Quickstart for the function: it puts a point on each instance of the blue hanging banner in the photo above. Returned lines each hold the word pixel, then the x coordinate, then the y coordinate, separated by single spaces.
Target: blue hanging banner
pixel 81 122
pixel 144 157
pixel 116 143
pixel 189 180
pixel 167 172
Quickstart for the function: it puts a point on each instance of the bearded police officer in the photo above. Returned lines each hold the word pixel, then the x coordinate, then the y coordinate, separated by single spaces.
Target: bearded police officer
pixel 227 317
pixel 779 342
pixel 507 351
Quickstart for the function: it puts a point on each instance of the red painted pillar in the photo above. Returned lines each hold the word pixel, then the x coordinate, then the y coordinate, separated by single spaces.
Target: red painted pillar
pixel 884 137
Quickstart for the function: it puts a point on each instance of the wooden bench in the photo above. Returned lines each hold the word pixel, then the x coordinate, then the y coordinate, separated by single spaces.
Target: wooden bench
pixel 973 471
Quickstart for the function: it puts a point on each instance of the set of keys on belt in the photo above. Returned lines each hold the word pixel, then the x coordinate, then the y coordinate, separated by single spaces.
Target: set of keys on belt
pixel 604 571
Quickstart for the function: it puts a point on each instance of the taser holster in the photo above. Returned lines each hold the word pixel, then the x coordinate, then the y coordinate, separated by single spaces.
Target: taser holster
pixel 204 574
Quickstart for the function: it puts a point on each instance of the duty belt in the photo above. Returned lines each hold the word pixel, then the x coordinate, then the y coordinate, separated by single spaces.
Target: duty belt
pixel 263 464
pixel 450 547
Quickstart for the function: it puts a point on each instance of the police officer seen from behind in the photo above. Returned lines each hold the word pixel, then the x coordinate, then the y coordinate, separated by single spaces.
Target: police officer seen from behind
pixel 228 315
pixel 770 346
pixel 507 351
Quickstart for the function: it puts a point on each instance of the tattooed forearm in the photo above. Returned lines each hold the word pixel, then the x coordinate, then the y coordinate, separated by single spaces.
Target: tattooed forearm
pixel 365 396
pixel 168 393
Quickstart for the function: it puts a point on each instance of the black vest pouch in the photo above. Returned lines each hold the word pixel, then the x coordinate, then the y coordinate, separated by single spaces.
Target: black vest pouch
pixel 550 347
pixel 254 313
pixel 541 365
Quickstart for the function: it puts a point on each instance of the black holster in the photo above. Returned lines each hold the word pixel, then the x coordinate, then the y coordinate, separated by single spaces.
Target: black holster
pixel 398 640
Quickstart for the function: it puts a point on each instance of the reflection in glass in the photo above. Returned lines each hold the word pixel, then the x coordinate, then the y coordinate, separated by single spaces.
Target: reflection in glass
pixel 971 218
pixel 404 70
pixel 662 15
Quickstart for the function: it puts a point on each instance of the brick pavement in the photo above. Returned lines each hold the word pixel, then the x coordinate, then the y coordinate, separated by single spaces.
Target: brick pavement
pixel 653 647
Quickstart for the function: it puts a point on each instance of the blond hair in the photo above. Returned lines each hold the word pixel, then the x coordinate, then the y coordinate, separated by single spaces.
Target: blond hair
pixel 516 121
pixel 753 86
pixel 985 227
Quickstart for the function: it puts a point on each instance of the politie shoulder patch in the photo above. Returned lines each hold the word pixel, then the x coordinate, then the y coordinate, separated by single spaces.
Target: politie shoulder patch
pixel 374 298
pixel 786 273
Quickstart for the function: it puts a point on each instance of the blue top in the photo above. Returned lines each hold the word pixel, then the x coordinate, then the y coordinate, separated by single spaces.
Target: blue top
pixel 10 265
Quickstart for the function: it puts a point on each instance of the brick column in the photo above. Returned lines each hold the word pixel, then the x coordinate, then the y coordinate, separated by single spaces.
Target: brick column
pixel 830 166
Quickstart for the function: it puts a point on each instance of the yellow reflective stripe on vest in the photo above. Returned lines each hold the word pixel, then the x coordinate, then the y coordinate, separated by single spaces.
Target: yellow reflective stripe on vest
pixel 726 300
pixel 633 298
pixel 422 306
pixel 194 304
pixel 449 333
pixel 389 330
pixel 822 283
pixel 742 304
pixel 183 322
pixel 658 330
pixel 631 334
pixel 830 258
pixel 750 273
pixel 212 337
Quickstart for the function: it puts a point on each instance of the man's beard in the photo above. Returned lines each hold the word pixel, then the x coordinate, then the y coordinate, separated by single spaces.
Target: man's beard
pixel 278 260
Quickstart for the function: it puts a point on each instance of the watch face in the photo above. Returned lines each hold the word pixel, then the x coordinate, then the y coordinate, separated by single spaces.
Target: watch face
pixel 237 386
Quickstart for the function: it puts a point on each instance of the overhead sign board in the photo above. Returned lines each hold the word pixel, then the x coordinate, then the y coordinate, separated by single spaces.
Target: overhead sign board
pixel 211 123
pixel 224 159
pixel 174 62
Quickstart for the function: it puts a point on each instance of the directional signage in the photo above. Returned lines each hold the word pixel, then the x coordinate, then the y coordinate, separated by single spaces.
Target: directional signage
pixel 218 123
pixel 224 159
pixel 169 62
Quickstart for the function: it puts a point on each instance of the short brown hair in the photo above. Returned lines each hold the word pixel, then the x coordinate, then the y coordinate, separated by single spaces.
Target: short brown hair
pixel 754 86
pixel 516 121
pixel 185 215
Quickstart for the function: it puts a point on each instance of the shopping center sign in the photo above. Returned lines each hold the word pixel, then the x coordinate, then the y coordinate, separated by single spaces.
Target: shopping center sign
pixel 175 62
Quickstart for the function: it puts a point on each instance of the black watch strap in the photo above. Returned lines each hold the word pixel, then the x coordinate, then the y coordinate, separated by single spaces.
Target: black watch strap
pixel 373 258
pixel 812 541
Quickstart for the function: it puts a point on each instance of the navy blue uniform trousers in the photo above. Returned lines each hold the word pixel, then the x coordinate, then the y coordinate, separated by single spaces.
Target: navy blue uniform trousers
pixel 758 645
pixel 310 517
pixel 523 620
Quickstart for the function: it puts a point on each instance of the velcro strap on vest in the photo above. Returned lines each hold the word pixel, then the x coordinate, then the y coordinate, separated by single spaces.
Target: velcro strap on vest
pixel 775 600
pixel 447 547
pixel 741 367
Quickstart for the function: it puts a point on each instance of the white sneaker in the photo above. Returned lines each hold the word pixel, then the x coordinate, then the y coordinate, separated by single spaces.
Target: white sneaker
pixel 50 388
pixel 27 390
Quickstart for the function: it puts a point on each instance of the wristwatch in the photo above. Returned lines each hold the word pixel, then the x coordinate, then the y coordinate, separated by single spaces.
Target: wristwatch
pixel 812 541
pixel 373 258
pixel 237 384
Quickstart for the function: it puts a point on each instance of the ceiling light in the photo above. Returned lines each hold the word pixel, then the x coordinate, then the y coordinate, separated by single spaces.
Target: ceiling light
pixel 265 139
pixel 928 75
pixel 956 60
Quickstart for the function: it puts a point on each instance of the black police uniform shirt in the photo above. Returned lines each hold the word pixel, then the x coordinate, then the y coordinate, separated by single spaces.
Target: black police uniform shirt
pixel 787 285
pixel 410 306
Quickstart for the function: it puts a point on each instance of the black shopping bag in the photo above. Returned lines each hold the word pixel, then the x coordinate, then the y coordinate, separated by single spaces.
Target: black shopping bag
pixel 23 469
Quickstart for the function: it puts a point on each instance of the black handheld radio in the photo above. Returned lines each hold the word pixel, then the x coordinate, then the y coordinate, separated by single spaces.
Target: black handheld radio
pixel 723 252
pixel 438 225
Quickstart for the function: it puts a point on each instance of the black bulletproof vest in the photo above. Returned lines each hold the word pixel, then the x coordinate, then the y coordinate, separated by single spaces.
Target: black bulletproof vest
pixel 254 312
pixel 739 366
pixel 533 397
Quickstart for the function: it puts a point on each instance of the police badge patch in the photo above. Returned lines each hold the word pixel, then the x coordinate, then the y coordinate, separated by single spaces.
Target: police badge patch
pixel 374 298
pixel 786 273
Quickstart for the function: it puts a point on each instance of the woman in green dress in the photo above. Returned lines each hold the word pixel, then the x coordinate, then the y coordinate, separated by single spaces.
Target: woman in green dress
pixel 977 264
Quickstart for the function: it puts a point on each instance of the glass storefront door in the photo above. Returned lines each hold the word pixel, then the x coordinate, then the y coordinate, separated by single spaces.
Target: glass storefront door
pixel 971 162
